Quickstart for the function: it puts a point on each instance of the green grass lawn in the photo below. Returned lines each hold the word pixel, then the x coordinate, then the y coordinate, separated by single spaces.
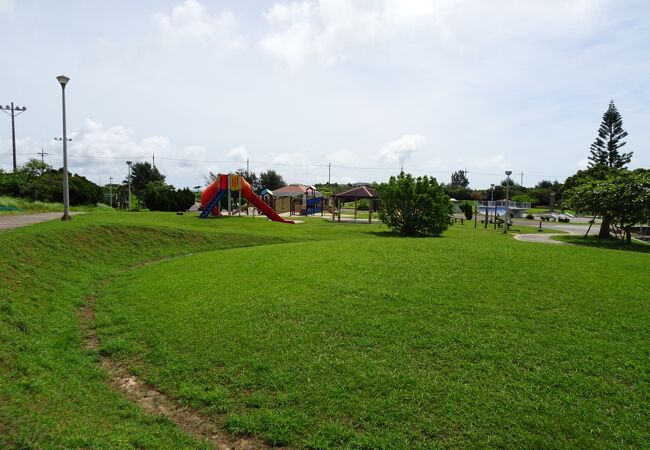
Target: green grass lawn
pixel 322 335
pixel 608 244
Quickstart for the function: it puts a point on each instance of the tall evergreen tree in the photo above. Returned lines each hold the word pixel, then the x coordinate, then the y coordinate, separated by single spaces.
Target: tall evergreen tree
pixel 605 150
pixel 459 179
pixel 143 173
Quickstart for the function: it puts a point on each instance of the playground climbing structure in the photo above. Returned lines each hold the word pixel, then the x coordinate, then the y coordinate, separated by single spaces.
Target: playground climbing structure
pixel 223 186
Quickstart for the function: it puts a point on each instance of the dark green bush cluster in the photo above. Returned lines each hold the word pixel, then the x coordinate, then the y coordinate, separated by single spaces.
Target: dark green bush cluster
pixel 530 217
pixel 48 187
pixel 162 197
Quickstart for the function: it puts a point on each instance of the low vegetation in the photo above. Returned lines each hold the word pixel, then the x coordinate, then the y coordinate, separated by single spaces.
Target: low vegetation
pixel 472 338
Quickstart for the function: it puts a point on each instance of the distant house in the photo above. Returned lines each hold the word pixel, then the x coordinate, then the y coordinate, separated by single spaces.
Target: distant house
pixel 295 190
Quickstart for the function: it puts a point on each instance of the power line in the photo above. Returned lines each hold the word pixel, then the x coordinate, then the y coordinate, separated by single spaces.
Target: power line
pixel 248 162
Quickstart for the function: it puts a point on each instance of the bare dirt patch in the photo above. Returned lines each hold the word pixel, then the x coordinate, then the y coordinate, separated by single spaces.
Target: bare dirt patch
pixel 209 428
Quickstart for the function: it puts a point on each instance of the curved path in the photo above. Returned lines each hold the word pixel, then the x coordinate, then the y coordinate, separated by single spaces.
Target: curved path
pixel 10 221
pixel 546 238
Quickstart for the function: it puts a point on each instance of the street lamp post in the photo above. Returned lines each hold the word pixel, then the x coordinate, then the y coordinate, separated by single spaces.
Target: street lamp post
pixel 13 111
pixel 495 208
pixel 110 191
pixel 505 226
pixel 63 80
pixel 128 163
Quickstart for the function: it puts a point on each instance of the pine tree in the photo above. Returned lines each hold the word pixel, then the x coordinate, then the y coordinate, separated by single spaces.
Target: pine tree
pixel 459 179
pixel 605 150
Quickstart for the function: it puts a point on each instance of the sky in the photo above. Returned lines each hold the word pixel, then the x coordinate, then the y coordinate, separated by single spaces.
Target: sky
pixel 352 90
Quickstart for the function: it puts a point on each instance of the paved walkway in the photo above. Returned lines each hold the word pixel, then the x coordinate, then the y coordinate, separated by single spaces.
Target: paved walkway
pixel 10 221
pixel 546 238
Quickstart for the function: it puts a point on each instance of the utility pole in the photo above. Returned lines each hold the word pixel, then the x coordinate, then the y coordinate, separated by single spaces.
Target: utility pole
pixel 11 111
pixel 42 153
pixel 329 173
pixel 153 160
pixel 521 182
pixel 110 191
pixel 248 167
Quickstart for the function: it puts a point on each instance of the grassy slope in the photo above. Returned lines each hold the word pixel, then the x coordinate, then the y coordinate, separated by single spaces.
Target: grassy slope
pixel 471 339
pixel 52 394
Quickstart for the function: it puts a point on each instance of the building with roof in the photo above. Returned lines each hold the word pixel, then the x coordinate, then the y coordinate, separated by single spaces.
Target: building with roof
pixel 353 195
pixel 296 190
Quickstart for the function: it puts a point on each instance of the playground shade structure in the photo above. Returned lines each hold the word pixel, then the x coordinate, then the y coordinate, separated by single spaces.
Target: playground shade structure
pixel 210 198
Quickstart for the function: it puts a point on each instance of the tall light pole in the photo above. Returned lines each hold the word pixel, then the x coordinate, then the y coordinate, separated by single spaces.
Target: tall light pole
pixel 495 210
pixel 128 163
pixel 110 191
pixel 505 226
pixel 11 111
pixel 63 80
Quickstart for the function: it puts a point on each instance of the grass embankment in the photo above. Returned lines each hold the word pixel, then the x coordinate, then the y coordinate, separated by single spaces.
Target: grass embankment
pixel 472 339
pixel 52 393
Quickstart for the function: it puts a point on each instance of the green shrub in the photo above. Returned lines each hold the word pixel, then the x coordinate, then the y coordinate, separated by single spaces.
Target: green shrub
pixel 530 217
pixel 467 209
pixel 414 206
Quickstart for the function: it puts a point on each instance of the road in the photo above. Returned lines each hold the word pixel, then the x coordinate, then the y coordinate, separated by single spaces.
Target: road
pixel 565 227
pixel 9 221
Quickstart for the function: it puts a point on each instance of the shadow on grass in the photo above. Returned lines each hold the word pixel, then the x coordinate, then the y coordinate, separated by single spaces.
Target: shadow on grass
pixel 610 244
pixel 394 234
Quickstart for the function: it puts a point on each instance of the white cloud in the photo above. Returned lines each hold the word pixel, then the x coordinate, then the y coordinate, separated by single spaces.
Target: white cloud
pixel 400 150
pixel 190 21
pixel 327 29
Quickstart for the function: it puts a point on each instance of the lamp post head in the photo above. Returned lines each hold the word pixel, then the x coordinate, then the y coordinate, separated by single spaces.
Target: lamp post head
pixel 63 80
pixel 492 185
pixel 508 172
pixel 129 163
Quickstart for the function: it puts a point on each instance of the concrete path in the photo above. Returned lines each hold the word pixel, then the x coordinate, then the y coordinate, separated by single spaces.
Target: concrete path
pixel 546 238
pixel 10 221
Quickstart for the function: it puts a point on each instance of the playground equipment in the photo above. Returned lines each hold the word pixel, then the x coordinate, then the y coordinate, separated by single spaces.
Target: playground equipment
pixel 224 185
pixel 311 203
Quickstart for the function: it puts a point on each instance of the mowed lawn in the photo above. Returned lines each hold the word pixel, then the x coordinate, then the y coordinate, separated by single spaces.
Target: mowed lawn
pixel 357 338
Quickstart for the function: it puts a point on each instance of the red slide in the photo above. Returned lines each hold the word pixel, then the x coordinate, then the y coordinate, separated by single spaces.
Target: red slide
pixel 248 193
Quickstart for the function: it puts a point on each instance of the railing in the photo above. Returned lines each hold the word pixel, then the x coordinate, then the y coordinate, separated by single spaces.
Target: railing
pixel 503 204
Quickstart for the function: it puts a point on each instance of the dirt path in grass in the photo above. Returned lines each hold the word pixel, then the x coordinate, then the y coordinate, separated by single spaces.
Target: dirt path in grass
pixel 7 222
pixel 192 422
